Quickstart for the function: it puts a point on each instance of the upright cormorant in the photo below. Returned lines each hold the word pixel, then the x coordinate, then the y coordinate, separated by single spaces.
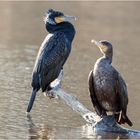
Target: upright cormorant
pixel 107 88
pixel 53 52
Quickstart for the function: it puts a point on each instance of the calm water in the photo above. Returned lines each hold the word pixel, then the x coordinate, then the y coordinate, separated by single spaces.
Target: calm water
pixel 21 33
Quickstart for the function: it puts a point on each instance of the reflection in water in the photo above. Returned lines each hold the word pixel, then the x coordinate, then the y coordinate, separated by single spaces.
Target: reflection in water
pixel 59 132
pixel 21 33
pixel 56 132
pixel 37 133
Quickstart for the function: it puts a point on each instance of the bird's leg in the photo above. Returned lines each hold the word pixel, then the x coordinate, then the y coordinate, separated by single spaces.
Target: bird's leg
pixel 54 85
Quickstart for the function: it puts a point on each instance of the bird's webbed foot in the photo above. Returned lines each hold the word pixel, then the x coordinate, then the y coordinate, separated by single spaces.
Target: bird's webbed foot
pixel 50 94
pixel 54 86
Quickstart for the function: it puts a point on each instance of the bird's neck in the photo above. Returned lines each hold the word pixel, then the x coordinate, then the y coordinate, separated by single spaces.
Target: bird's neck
pixel 107 58
pixel 65 27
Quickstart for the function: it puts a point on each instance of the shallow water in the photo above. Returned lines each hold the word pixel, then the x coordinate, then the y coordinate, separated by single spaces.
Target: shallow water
pixel 21 33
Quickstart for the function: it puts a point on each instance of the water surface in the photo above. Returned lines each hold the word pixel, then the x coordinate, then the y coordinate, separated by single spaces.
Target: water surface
pixel 21 33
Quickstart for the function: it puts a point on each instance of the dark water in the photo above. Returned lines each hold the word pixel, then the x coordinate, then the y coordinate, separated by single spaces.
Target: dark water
pixel 21 33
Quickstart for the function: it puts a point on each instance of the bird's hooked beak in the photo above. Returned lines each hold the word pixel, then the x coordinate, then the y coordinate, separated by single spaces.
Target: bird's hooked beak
pixel 98 44
pixel 64 18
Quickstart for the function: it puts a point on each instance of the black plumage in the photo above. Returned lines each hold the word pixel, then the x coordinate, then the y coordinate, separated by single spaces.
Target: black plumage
pixel 53 52
pixel 107 88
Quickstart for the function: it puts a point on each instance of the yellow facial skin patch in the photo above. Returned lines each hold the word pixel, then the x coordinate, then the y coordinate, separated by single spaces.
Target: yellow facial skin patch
pixel 102 47
pixel 59 19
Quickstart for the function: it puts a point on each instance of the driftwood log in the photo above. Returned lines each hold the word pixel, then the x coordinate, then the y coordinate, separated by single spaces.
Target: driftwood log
pixel 100 125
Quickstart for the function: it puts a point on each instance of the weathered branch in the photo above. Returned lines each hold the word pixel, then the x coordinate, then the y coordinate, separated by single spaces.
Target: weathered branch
pixel 106 124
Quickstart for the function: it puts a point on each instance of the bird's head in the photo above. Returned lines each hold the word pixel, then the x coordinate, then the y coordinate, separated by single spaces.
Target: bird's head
pixel 104 46
pixel 55 17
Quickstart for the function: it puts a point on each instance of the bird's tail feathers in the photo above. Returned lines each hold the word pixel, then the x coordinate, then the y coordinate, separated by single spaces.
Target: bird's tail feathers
pixel 32 99
pixel 122 118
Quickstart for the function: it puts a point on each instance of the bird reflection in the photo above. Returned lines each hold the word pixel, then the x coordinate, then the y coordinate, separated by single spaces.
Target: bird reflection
pixel 44 131
pixel 38 132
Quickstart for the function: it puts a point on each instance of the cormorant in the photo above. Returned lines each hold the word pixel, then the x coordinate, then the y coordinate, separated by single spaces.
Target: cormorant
pixel 107 88
pixel 53 52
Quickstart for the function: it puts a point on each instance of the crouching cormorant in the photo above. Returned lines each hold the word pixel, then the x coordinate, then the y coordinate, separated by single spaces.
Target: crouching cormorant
pixel 53 52
pixel 107 88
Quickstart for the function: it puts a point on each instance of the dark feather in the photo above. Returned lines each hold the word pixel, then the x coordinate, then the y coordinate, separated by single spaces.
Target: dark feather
pixel 50 60
pixel 52 54
pixel 93 97
pixel 121 91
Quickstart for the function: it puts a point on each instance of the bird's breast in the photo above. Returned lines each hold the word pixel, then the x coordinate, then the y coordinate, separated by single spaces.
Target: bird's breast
pixel 104 87
pixel 46 39
pixel 104 79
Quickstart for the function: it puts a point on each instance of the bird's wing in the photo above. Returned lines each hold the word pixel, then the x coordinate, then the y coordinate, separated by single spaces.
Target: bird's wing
pixel 93 97
pixel 51 58
pixel 53 52
pixel 121 91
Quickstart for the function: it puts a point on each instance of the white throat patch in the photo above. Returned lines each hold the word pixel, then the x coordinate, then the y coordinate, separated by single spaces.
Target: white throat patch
pixel 48 20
